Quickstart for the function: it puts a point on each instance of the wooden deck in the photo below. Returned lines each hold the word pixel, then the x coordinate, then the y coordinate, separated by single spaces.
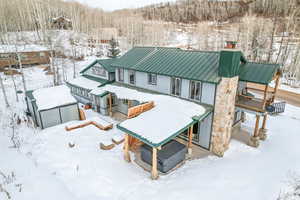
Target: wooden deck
pixel 253 104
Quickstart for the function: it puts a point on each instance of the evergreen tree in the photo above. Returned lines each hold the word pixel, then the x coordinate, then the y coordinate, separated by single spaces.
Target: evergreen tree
pixel 114 50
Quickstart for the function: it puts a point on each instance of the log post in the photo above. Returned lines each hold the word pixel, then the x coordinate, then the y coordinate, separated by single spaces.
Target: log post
pixel 254 140
pixel 265 96
pixel 263 130
pixel 129 104
pixel 190 140
pixel 126 148
pixel 276 88
pixel 154 172
pixel 110 104
pixel 256 126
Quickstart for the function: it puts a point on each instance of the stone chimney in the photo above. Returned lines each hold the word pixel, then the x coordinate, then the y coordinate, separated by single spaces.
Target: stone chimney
pixel 229 63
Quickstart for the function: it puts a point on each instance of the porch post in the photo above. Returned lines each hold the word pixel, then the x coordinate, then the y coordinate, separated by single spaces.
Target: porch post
pixel 110 105
pixel 276 88
pixel 254 140
pixel 263 130
pixel 265 96
pixel 154 172
pixel 129 104
pixel 190 140
pixel 126 148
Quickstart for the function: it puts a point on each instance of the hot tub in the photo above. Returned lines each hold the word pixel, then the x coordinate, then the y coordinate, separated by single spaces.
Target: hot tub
pixel 170 155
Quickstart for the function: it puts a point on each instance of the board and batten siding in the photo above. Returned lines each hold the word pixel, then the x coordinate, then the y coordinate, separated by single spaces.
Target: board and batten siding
pixel 90 72
pixel 163 85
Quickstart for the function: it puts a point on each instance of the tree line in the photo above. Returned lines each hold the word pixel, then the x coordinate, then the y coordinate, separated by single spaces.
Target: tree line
pixel 194 11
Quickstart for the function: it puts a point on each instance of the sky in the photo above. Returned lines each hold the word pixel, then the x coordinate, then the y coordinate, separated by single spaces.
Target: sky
pixel 110 5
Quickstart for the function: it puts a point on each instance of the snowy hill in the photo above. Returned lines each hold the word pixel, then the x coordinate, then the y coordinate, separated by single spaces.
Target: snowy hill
pixel 109 5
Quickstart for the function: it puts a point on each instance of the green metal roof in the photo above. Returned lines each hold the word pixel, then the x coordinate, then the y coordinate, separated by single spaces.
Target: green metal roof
pixel 192 65
pixel 105 63
pixel 196 119
pixel 99 80
pixel 258 72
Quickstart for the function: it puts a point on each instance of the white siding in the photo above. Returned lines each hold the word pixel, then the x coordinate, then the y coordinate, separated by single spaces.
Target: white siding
pixel 185 85
pixel 126 76
pixel 208 93
pixel 162 85
pixel 205 132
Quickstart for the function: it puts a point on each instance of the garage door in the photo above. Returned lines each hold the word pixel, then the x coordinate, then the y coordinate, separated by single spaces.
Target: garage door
pixel 69 113
pixel 50 117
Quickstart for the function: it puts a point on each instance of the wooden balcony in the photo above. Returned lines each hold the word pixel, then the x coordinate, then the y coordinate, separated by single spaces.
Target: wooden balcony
pixel 250 103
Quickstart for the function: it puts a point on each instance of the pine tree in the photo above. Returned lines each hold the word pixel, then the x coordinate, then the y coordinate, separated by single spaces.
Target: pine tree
pixel 114 50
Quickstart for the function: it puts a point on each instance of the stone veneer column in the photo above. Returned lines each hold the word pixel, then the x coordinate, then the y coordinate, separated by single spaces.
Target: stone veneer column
pixel 224 114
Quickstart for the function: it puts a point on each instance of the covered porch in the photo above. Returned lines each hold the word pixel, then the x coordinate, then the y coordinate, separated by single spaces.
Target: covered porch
pixel 262 104
pixel 155 123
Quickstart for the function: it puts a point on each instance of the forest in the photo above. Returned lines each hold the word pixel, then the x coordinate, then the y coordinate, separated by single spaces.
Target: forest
pixel 266 30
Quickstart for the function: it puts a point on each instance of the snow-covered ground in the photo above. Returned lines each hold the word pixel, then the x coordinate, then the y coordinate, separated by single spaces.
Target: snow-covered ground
pixel 45 167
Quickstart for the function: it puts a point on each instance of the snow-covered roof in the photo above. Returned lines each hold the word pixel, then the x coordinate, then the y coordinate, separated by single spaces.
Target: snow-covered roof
pixel 84 83
pixel 22 48
pixel 98 92
pixel 47 98
pixel 169 116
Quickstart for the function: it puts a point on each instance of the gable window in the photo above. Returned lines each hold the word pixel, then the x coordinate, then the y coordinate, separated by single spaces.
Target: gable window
pixel 131 77
pixel 152 79
pixel 176 86
pixel 121 75
pixel 98 70
pixel 195 90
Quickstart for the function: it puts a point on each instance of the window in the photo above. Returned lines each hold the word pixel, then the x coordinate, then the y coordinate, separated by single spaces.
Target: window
pixel 195 90
pixel 42 54
pixel 4 56
pixel 152 79
pixel 23 56
pixel 176 86
pixel 121 75
pixel 100 71
pixel 131 77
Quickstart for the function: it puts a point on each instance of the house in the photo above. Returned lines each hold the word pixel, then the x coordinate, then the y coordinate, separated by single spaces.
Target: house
pixel 101 37
pixel 61 23
pixel 167 93
pixel 47 110
pixel 29 55
pixel 97 74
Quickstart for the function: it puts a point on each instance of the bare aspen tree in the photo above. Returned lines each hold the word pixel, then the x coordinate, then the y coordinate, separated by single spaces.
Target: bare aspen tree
pixel 4 92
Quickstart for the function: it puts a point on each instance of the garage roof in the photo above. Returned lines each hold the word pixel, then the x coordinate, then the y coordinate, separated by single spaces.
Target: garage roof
pixel 47 98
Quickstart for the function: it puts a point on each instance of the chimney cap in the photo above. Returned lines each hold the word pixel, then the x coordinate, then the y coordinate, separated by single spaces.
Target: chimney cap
pixel 231 44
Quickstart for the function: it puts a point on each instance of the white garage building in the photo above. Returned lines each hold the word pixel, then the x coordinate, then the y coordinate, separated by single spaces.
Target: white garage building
pixel 51 106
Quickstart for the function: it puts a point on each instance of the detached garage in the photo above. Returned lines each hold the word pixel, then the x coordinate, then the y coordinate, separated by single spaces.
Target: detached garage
pixel 51 106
